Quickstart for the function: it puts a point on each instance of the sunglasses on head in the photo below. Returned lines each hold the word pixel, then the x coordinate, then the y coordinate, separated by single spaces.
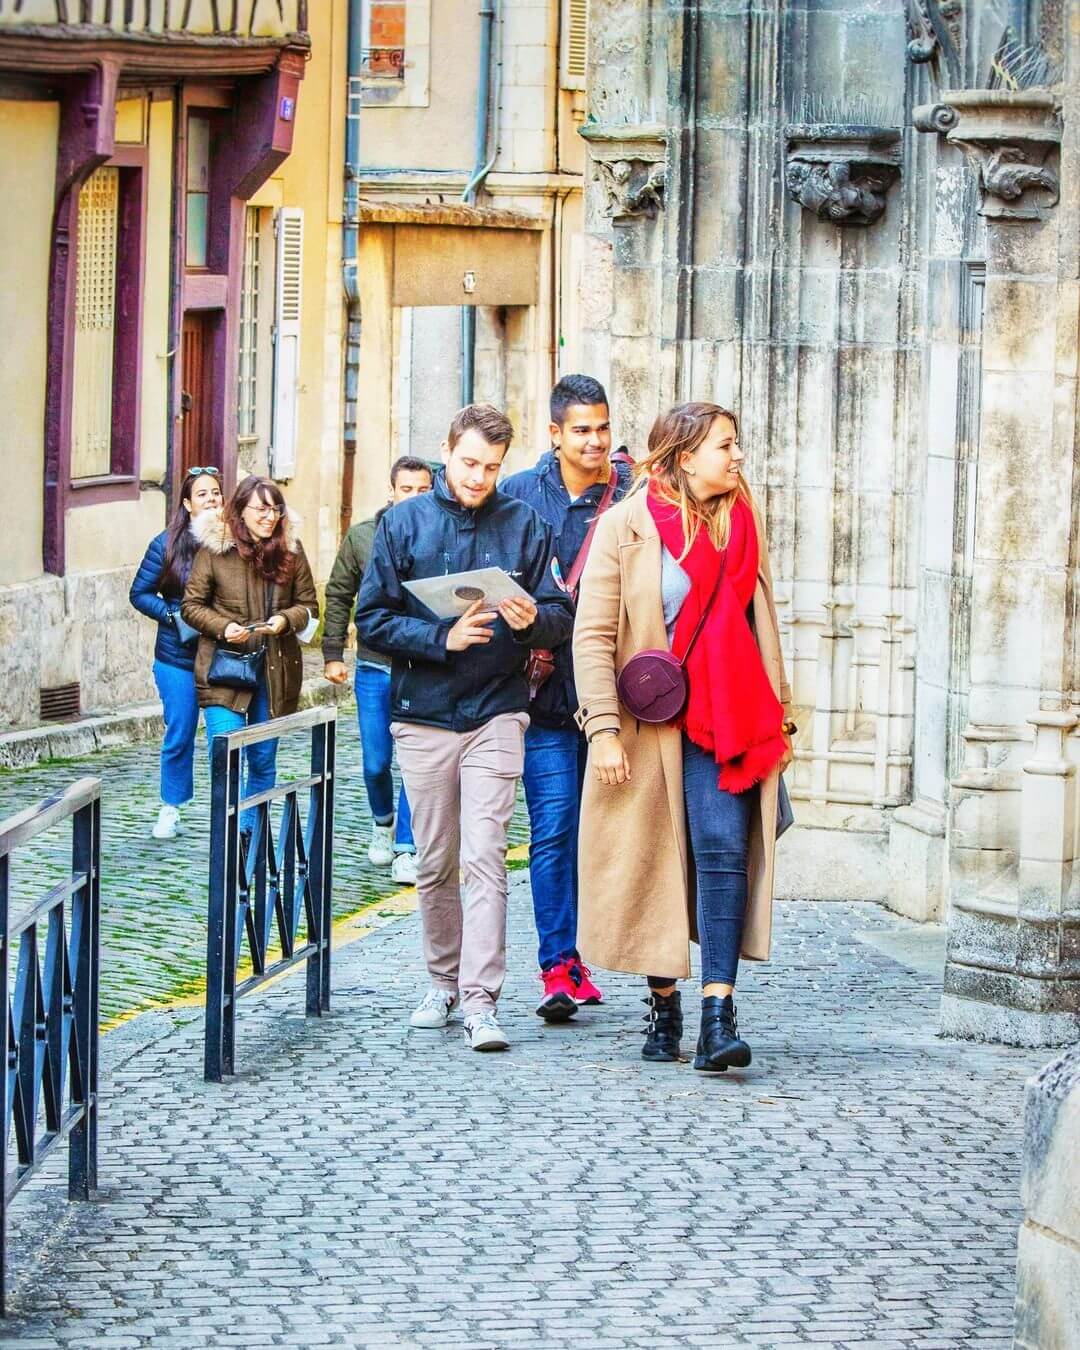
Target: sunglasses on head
pixel 198 470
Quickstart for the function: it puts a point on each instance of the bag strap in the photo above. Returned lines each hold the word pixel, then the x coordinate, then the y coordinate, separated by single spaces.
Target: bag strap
pixel 620 456
pixel 705 612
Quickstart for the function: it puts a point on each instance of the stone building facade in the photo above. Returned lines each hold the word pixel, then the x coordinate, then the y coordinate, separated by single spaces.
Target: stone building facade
pixel 858 223
pixel 157 232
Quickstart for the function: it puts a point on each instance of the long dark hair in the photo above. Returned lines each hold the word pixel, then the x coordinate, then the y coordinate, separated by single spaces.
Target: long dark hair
pixel 272 558
pixel 180 544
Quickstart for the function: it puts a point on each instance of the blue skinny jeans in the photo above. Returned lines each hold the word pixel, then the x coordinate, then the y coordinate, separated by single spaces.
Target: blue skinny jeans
pixel 553 775
pixel 372 686
pixel 176 688
pixel 260 761
pixel 719 831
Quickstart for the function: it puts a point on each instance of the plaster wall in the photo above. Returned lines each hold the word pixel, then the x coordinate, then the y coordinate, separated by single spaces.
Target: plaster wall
pixel 27 182
pixel 311 178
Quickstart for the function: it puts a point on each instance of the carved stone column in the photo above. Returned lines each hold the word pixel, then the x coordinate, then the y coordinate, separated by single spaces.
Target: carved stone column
pixel 1012 970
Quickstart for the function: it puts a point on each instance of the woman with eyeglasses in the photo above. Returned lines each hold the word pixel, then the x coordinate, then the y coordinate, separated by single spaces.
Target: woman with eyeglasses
pixel 156 592
pixel 250 590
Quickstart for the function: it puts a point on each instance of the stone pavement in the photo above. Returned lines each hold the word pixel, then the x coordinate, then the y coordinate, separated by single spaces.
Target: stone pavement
pixel 154 893
pixel 358 1184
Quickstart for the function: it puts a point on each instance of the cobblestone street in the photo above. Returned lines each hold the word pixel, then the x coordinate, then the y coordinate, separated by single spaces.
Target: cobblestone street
pixel 359 1184
pixel 153 898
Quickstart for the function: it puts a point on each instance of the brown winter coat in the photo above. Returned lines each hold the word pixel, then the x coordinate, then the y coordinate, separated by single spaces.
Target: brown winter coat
pixel 635 909
pixel 224 589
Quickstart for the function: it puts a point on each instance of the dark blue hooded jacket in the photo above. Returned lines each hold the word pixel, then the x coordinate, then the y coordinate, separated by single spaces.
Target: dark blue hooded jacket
pixel 434 535
pixel 148 600
pixel 542 487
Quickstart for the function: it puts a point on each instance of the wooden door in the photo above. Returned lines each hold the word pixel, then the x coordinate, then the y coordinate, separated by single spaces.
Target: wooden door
pixel 196 392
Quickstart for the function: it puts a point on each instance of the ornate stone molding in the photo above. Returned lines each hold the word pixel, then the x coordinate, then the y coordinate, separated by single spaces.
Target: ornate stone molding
pixel 631 166
pixel 937 29
pixel 1012 139
pixel 842 173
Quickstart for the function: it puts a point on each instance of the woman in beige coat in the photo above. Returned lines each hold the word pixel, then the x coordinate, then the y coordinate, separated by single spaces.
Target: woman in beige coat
pixel 678 820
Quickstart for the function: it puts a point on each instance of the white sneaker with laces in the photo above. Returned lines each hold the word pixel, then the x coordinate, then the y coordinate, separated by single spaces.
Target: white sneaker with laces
pixel 433 1010
pixel 167 825
pixel 381 849
pixel 482 1031
pixel 404 869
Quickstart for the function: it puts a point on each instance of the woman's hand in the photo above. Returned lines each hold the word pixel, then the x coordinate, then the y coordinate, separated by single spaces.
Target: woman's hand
pixel 276 625
pixel 609 759
pixel 236 633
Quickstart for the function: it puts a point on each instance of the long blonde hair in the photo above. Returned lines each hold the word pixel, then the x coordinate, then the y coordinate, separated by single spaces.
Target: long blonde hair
pixel 674 433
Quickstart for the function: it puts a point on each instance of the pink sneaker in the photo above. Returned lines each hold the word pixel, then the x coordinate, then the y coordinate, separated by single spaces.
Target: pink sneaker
pixel 584 989
pixel 560 999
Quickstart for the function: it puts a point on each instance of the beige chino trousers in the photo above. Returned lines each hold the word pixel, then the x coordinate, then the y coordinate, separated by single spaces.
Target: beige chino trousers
pixel 461 788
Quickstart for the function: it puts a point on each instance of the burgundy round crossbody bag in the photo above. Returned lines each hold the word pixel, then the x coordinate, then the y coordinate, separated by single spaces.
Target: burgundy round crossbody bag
pixel 653 686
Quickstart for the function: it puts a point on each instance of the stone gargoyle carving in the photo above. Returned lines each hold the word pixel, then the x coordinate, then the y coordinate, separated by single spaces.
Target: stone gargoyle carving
pixel 633 187
pixel 1006 174
pixel 841 192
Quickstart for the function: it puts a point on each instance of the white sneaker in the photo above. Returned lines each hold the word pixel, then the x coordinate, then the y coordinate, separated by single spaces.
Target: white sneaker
pixel 167 825
pixel 482 1031
pixel 381 849
pixel 404 869
pixel 434 1009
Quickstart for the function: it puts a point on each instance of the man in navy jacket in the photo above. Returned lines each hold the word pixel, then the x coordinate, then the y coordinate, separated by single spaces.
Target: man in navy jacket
pixel 459 699
pixel 566 486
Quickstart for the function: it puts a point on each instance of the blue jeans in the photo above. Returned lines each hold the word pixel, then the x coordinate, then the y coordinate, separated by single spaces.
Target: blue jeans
pixel 176 688
pixel 377 753
pixel 554 773
pixel 719 832
pixel 260 761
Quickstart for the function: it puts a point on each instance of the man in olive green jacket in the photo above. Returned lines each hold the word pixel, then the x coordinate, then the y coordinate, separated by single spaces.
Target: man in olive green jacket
pixel 391 835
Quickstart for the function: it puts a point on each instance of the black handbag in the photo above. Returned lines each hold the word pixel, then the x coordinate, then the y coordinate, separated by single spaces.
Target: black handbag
pixel 184 630
pixel 232 669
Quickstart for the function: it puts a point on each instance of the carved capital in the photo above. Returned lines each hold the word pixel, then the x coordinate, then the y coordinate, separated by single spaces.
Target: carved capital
pixel 631 167
pixel 1011 138
pixel 842 174
pixel 937 31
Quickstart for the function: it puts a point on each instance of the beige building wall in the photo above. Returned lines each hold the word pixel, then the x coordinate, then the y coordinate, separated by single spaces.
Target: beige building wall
pixel 312 179
pixel 425 154
pixel 27 182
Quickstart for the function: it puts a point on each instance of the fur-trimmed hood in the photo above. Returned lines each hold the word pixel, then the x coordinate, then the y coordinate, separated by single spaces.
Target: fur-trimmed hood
pixel 213 533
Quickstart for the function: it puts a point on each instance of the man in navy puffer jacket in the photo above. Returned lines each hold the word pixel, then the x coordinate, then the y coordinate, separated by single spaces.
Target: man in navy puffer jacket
pixel 567 486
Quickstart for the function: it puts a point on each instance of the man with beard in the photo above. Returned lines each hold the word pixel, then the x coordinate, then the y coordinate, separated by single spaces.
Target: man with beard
pixel 460 696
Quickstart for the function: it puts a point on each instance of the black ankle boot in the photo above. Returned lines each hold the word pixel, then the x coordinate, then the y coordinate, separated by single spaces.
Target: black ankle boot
pixel 719 1046
pixel 664 1027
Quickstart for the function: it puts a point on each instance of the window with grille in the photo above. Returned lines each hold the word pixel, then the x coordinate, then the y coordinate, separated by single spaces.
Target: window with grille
pixel 247 386
pixel 383 28
pixel 575 43
pixel 95 325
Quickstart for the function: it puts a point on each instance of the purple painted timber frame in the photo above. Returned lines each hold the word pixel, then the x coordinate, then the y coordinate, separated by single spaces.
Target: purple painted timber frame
pixel 258 140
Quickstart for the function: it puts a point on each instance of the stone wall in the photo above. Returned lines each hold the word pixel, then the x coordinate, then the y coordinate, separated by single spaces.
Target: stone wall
pixel 861 234
pixel 55 631
pixel 1048 1256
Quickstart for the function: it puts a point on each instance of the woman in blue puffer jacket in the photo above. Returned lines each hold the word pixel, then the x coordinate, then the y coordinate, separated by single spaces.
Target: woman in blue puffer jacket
pixel 156 592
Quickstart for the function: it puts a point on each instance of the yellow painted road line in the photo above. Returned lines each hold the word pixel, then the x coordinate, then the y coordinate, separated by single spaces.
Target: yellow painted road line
pixel 345 931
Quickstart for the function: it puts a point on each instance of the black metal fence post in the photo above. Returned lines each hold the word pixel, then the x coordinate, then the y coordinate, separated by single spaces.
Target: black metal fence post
pixel 284 881
pixel 49 1021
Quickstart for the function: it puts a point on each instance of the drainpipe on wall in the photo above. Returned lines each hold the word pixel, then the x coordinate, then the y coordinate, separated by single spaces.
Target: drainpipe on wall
pixel 486 119
pixel 349 249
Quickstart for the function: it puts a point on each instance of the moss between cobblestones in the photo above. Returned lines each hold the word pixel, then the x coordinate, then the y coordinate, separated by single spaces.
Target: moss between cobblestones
pixel 153 931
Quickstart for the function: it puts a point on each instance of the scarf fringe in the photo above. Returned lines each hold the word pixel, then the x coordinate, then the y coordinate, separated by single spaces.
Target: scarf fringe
pixel 744 770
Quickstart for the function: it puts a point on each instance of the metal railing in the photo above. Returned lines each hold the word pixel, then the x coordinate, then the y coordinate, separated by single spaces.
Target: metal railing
pixel 49 1022
pixel 287 881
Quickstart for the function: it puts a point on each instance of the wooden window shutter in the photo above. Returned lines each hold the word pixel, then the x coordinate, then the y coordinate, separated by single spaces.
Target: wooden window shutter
pixel 575 43
pixel 95 325
pixel 289 228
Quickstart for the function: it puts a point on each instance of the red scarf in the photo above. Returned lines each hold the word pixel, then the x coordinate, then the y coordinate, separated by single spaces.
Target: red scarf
pixel 732 711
